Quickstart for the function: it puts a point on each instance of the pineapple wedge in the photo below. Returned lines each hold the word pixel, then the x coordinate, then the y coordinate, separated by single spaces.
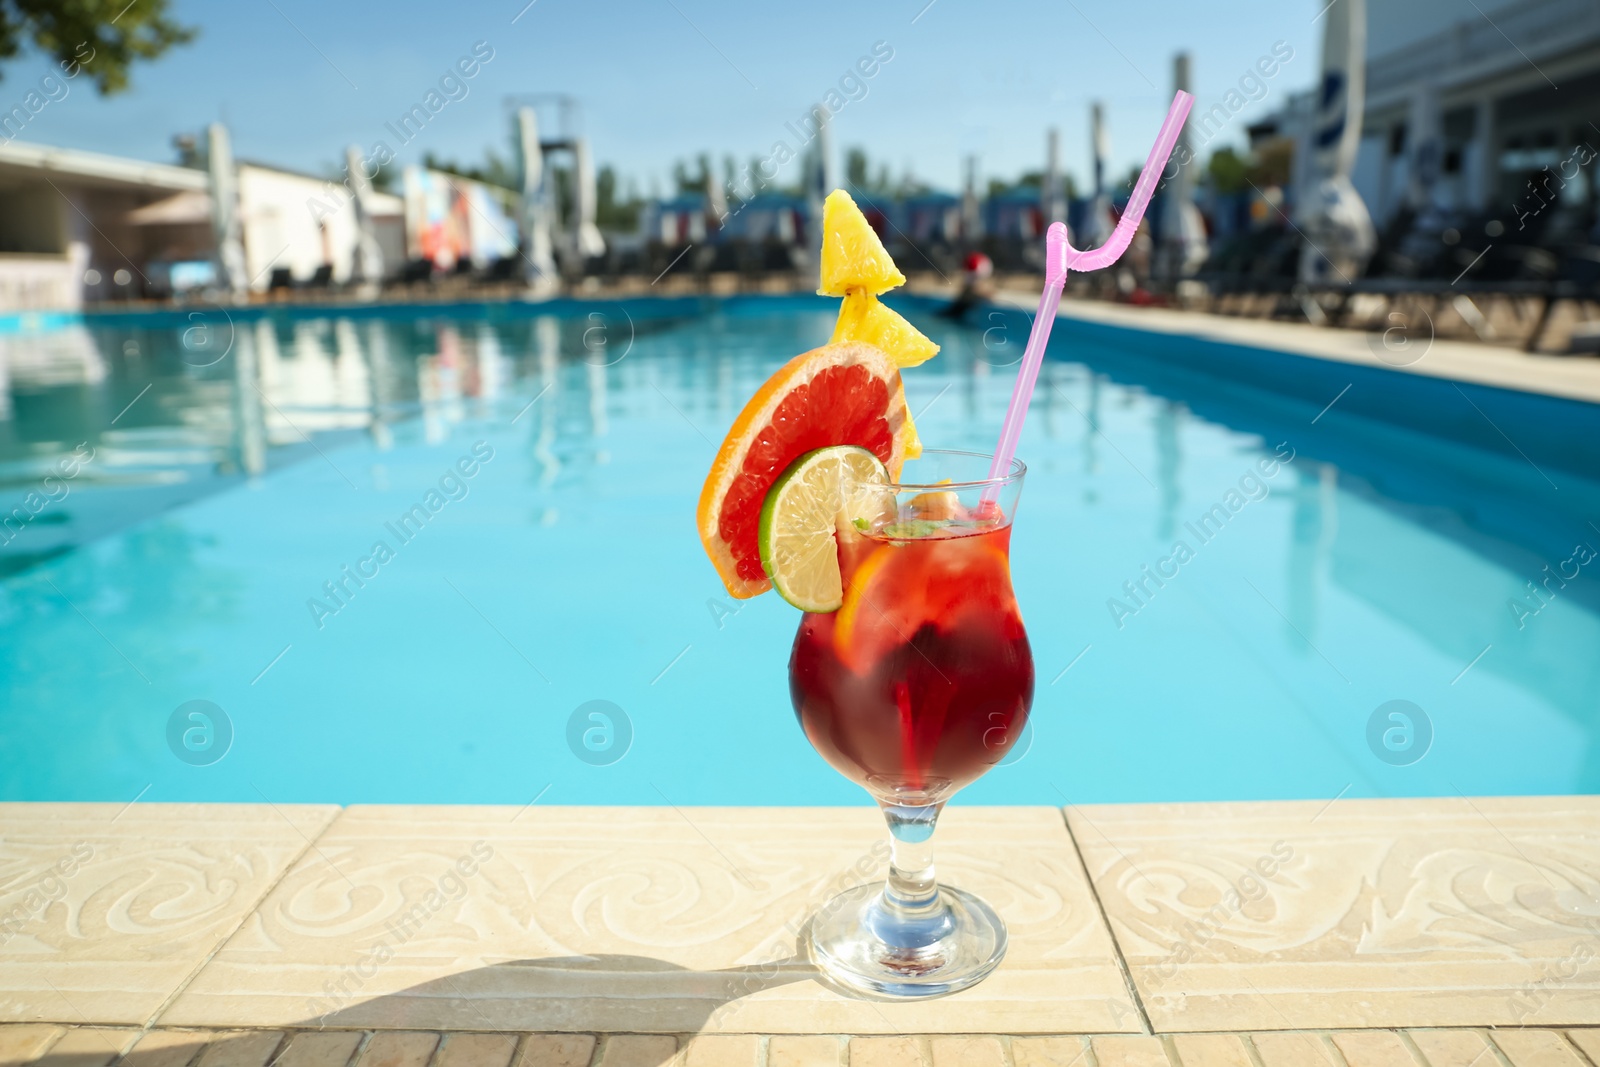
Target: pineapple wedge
pixel 863 318
pixel 852 255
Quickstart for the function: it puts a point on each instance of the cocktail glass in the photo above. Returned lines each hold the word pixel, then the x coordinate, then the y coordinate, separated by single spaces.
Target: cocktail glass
pixel 917 685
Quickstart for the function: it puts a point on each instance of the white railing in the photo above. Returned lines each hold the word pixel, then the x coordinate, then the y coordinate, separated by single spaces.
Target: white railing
pixel 1538 28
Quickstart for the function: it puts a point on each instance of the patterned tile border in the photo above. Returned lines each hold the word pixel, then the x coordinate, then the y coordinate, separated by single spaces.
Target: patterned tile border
pixel 107 910
pixel 1354 919
pixel 640 919
pixel 1482 912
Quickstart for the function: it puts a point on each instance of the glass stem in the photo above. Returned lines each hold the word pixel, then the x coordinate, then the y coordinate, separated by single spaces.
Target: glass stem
pixel 911 919
pixel 911 886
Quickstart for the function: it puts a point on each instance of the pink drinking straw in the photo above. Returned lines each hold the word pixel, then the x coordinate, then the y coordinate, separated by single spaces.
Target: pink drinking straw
pixel 1059 258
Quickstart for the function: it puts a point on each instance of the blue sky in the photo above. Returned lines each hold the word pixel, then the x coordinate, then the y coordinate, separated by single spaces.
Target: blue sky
pixel 297 80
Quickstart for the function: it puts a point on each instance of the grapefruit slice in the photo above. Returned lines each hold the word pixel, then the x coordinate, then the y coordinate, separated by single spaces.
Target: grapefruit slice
pixel 852 255
pixel 839 394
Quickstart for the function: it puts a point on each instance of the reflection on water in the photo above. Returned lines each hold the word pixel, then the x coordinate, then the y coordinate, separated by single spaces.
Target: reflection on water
pixel 1312 530
pixel 168 426
pixel 546 401
pixel 1168 466
pixel 220 496
pixel 1091 435
pixel 249 423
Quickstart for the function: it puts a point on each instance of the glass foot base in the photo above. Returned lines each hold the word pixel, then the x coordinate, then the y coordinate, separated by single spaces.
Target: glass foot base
pixel 860 943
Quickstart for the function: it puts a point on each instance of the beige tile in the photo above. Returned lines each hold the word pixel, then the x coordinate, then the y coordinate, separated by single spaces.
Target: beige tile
pixel 1588 1041
pixel 1537 1048
pixel 1211 1050
pixel 1453 1048
pixel 1049 1051
pixel 1371 913
pixel 21 1044
pixel 723 1050
pixel 1374 1048
pixel 1130 1052
pixel 167 1048
pixel 793 1050
pixel 886 1052
pixel 556 1050
pixel 398 1049
pixel 89 1046
pixel 332 1048
pixel 476 1050
pixel 967 1050
pixel 637 1050
pixel 247 1048
pixel 641 920
pixel 1294 1049
pixel 113 906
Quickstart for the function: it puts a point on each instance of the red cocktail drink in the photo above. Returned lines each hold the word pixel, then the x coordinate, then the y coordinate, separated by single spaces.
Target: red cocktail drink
pixel 922 681
pixel 911 673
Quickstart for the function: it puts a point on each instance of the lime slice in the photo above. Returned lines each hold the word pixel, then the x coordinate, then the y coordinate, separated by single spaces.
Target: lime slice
pixel 823 494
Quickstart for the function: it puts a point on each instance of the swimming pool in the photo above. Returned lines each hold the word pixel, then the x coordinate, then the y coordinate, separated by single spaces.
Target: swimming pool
pixel 1335 563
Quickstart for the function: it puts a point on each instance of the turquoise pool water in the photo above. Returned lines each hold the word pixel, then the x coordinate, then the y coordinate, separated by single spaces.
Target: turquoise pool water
pixel 1356 560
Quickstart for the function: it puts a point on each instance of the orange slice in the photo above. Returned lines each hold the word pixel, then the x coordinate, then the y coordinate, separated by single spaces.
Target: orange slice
pixel 852 255
pixel 857 596
pixel 839 394
pixel 897 589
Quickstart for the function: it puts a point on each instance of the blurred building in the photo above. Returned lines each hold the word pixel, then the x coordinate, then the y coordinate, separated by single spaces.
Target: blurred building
pixel 300 228
pixel 1014 213
pixel 1460 117
pixel 778 217
pixel 455 222
pixel 67 227
pixel 933 217
pixel 80 227
pixel 677 220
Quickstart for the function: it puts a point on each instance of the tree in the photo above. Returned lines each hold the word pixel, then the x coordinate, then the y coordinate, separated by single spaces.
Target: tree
pixel 858 174
pixel 1274 162
pixel 1228 172
pixel 101 37
pixel 382 179
pixel 493 171
pixel 561 189
pixel 855 167
pixel 613 212
pixel 687 181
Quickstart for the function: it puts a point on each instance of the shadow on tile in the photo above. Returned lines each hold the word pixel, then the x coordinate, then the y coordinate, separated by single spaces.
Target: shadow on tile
pixel 579 995
pixel 606 993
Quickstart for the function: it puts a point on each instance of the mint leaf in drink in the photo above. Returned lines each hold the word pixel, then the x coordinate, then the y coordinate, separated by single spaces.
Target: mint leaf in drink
pixel 911 529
